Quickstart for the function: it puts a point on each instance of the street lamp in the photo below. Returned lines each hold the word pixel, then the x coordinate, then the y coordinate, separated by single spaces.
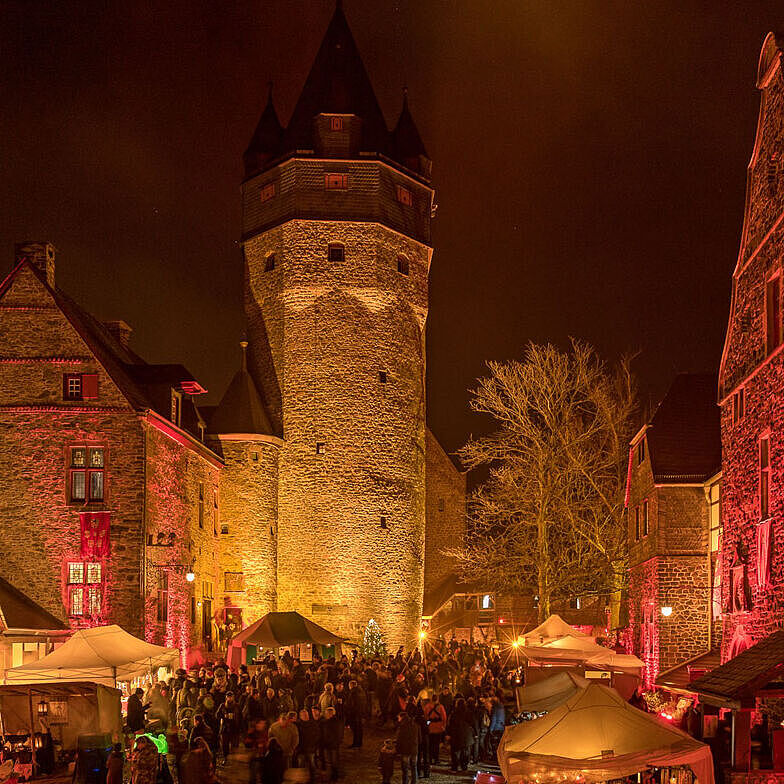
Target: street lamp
pixel 190 576
pixel 666 611
pixel 422 634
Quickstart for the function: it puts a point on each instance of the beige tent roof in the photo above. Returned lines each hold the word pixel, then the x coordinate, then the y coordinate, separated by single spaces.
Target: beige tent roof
pixel 598 736
pixel 581 649
pixel 548 694
pixel 553 628
pixel 104 654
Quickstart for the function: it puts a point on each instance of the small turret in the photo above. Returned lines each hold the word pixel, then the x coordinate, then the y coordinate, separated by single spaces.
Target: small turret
pixel 266 142
pixel 407 145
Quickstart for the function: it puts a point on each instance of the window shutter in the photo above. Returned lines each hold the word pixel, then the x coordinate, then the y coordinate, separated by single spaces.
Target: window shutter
pixel 90 386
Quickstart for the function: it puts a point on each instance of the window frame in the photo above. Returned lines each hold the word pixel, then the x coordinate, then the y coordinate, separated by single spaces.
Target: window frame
pixel 764 475
pixel 646 523
pixel 88 471
pixel 404 195
pixel 335 181
pixel 773 323
pixel 269 262
pixel 267 191
pixel 336 249
pixel 403 266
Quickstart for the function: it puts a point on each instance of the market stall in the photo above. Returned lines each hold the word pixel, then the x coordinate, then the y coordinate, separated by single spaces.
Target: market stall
pixel 597 736
pixel 548 694
pixel 553 628
pixel 104 655
pixel 278 630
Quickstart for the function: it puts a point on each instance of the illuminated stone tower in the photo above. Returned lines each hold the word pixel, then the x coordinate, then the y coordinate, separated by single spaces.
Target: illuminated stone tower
pixel 336 238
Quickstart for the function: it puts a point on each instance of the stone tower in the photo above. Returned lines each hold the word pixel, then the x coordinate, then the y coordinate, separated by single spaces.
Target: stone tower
pixel 336 240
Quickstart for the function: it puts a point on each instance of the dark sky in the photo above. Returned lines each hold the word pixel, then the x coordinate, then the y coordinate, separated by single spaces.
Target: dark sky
pixel 589 161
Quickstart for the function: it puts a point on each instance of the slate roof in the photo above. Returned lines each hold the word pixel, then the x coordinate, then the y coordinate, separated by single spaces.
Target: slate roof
pixel 21 612
pixel 338 83
pixel 684 435
pixel 450 586
pixel 678 678
pixel 241 409
pixel 747 674
pixel 140 381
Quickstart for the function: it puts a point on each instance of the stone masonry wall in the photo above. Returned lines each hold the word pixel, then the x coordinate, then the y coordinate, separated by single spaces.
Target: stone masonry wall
pixel 249 511
pixel 445 512
pixel 745 365
pixel 351 524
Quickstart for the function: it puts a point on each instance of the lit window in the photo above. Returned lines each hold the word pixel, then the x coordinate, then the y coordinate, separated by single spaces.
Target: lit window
pixel 93 601
pixel 404 195
pixel 269 263
pixel 75 573
pixel 487 602
pixel 336 253
pixel 335 123
pixel 773 314
pixel 267 191
pixel 764 477
pixel 738 406
pixel 93 573
pixel 163 597
pixel 87 467
pixel 77 601
pixel 714 512
pixel 73 386
pixel 402 265
pixel 321 447
pixel 336 182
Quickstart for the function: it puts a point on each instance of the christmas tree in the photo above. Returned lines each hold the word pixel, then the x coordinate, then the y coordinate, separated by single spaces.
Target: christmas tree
pixel 372 642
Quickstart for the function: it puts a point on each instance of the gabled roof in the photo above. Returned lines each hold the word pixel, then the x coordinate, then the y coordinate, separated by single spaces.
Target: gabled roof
pixel 684 435
pixel 678 678
pixel 241 409
pixel 450 586
pixel 753 671
pixel 19 611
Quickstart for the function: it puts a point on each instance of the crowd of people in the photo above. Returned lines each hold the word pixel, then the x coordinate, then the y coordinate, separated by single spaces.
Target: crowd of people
pixel 444 706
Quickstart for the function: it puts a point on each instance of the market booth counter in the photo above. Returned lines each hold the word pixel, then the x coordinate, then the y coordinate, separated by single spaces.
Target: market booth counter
pixel 751 681
pixel 41 718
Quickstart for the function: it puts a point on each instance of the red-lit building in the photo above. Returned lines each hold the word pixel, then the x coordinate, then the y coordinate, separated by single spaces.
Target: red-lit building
pixel 673 509
pixel 751 387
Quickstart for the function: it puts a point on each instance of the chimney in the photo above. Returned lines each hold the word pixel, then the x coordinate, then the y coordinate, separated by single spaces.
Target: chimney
pixel 40 254
pixel 120 331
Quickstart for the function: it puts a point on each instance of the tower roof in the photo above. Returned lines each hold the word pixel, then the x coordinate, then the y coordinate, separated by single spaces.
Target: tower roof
pixel 338 84
pixel 406 141
pixel 266 140
pixel 241 409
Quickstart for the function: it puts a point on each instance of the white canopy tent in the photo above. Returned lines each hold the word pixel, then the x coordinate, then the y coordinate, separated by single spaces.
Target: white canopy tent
pixel 547 695
pixel 104 654
pixel 553 628
pixel 596 735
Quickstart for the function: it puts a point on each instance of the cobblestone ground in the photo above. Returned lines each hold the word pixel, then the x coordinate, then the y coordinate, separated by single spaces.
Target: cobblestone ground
pixel 359 765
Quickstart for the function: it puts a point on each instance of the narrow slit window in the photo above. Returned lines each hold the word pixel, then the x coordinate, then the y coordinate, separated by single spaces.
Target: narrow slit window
pixel 402 265
pixel 382 376
pixel 269 263
pixel 773 314
pixel 321 447
pixel 764 477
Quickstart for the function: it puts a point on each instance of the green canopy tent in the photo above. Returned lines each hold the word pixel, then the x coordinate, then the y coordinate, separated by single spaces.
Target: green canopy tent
pixel 279 630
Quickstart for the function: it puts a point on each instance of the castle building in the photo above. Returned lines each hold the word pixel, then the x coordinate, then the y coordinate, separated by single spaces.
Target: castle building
pixel 315 484
pixel 750 387
pixel 674 529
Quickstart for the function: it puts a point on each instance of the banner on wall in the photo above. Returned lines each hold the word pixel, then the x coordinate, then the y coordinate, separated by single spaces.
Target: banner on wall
pixel 95 534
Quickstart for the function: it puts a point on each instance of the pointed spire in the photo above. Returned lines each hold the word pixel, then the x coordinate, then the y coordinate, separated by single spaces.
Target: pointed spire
pixel 265 144
pixel 406 141
pixel 244 347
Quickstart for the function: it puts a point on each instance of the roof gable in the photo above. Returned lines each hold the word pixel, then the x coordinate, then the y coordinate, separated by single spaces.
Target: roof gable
pixel 19 611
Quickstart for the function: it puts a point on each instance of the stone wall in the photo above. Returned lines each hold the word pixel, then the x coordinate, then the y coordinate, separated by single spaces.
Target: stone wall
pixel 351 501
pixel 248 535
pixel 445 512
pixel 746 366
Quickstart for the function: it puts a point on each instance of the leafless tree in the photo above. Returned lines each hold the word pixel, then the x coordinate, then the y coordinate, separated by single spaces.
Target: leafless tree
pixel 549 519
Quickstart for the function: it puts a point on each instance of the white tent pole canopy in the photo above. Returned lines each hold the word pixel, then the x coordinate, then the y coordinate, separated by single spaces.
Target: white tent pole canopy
pixel 103 654
pixel 597 736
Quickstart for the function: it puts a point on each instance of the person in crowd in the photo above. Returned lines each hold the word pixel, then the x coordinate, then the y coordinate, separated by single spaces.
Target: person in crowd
pixel 355 712
pixel 114 765
pixel 331 739
pixel 386 761
pixel 228 717
pixel 270 708
pixel 257 741
pixel 145 761
pixel 407 746
pixel 201 730
pixel 309 734
pixel 435 714
pixel 285 732
pixel 273 764
pixel 461 735
pixel 197 764
pixel 136 711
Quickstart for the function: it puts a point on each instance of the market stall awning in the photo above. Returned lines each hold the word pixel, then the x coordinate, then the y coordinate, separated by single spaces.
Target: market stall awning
pixel 679 678
pixel 596 736
pixel 581 650
pixel 552 629
pixel 279 629
pixel 756 672
pixel 104 654
pixel 550 693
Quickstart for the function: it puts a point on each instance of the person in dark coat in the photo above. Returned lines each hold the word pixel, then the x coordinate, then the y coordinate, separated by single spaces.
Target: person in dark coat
pixel 461 735
pixel 273 765
pixel 114 766
pixel 407 743
pixel 355 712
pixel 331 738
pixel 136 711
pixel 309 736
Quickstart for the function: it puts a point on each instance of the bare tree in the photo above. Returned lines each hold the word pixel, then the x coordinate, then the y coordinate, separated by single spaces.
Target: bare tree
pixel 549 519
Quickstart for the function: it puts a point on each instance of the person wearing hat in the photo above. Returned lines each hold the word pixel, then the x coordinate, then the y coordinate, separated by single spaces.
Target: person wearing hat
pixel 228 717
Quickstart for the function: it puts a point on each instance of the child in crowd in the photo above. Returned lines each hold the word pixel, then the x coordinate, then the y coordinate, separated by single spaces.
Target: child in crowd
pixel 386 760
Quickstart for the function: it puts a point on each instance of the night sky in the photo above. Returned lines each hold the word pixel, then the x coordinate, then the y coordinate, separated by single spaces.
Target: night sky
pixel 589 164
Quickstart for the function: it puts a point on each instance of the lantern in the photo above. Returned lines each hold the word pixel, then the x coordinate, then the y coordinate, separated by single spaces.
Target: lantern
pixel 43 709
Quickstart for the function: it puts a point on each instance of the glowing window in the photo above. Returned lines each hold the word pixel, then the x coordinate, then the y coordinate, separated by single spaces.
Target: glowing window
pixel 77 601
pixel 321 447
pixel 335 123
pixel 402 265
pixel 75 573
pixel 267 191
pixel 93 601
pixel 714 512
pixel 487 602
pixel 404 195
pixel 336 182
pixel 93 573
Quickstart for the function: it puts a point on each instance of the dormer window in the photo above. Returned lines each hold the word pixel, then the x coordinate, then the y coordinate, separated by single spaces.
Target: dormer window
pixel 176 407
pixel 336 182
pixel 404 195
pixel 335 123
pixel 267 191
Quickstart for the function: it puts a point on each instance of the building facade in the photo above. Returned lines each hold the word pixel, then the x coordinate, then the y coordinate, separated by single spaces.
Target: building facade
pixel 315 484
pixel 750 387
pixel 673 513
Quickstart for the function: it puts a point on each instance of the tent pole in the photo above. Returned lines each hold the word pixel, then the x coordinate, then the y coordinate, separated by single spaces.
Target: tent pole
pixel 32 730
